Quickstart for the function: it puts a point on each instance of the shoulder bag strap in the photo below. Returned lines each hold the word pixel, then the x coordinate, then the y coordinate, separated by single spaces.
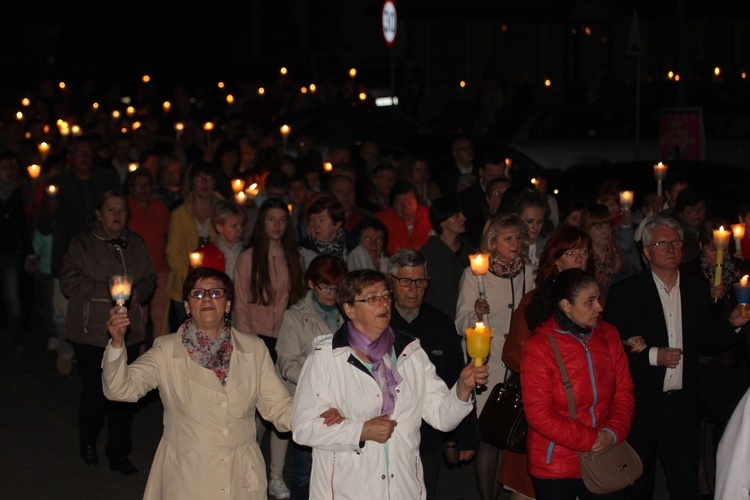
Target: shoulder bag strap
pixel 566 381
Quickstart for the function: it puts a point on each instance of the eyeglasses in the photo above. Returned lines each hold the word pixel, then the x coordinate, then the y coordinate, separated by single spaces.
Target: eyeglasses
pixel 663 245
pixel 375 300
pixel 406 282
pixel 214 293
pixel 326 288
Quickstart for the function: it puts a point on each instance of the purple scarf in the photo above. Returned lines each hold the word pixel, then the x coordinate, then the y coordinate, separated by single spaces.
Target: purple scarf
pixel 383 369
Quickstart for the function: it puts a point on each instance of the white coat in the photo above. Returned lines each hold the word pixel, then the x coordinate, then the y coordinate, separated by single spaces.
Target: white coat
pixel 208 449
pixel 503 301
pixel 733 457
pixel 345 468
pixel 301 325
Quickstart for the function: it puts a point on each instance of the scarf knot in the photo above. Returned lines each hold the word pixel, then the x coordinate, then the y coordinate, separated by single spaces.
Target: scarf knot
pixel 383 369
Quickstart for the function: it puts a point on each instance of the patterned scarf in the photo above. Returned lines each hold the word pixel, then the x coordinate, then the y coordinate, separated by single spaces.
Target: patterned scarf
pixel 383 369
pixel 729 272
pixel 213 354
pixel 612 265
pixel 504 269
pixel 335 247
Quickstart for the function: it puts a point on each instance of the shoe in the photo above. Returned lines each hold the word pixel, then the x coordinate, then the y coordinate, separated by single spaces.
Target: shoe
pixel 52 343
pixel 64 365
pixel 126 468
pixel 88 454
pixel 277 488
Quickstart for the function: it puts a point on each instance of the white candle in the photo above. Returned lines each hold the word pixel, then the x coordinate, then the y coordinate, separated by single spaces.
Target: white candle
pixel 626 199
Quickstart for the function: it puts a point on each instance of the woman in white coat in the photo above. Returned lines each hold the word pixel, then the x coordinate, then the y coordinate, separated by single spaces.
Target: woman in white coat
pixel 383 383
pixel 211 379
pixel 505 238
pixel 315 315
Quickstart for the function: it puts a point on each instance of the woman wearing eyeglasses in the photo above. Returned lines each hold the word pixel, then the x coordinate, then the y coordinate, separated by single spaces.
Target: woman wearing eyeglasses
pixel 268 279
pixel 383 384
pixel 316 314
pixel 611 258
pixel 211 380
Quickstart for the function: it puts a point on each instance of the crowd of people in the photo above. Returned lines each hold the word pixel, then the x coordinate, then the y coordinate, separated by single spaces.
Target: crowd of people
pixel 330 291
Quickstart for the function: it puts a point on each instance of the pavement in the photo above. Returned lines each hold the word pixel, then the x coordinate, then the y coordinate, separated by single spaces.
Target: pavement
pixel 39 443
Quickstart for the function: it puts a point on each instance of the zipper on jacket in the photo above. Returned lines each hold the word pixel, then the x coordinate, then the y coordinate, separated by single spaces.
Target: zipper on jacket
pixel 590 362
pixel 416 473
pixel 549 452
pixel 333 473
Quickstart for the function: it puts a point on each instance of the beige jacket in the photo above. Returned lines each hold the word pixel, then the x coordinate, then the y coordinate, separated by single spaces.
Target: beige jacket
pixel 208 449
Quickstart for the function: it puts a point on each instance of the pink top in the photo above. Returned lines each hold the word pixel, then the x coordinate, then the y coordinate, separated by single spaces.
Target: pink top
pixel 255 318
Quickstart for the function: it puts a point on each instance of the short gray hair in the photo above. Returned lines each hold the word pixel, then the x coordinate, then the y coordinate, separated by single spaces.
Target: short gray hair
pixel 406 257
pixel 660 221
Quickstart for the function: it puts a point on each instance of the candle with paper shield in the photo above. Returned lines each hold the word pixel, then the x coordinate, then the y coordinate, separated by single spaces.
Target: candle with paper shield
pixel 480 265
pixel 120 287
pixel 34 171
pixel 196 258
pixel 738 230
pixel 742 292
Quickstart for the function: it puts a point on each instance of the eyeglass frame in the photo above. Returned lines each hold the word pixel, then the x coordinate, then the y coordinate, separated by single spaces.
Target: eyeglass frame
pixel 663 245
pixel 209 291
pixel 330 288
pixel 376 300
pixel 410 280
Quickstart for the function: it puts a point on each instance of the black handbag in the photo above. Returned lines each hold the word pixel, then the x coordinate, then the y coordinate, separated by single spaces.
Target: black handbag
pixel 613 469
pixel 502 422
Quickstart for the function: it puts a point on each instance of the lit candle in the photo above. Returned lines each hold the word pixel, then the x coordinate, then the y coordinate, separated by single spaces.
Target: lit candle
pixel 660 172
pixel 252 190
pixel 327 166
pixel 289 207
pixel 52 191
pixel 208 126
pixel 76 130
pixel 166 106
pixel 120 287
pixel 230 99
pixel 352 72
pixel 132 167
pixel 44 150
pixel 738 230
pixel 742 292
pixel 34 171
pixel 25 102
pixel 721 242
pixel 285 130
pixel 478 341
pixel 480 265
pixel 626 199
pixel 179 127
pixel 130 110
pixel 238 185
pixel 240 197
pixel 196 259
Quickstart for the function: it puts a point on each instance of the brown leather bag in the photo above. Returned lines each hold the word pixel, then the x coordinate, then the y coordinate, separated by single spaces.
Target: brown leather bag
pixel 607 471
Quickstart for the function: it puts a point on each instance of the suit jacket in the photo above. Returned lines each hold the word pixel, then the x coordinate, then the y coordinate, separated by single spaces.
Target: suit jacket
pixel 633 306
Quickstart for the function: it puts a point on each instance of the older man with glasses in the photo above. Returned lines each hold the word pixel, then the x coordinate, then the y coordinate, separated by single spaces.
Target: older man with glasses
pixel 437 334
pixel 671 311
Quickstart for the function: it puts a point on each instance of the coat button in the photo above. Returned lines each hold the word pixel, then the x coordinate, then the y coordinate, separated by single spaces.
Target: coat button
pixel 382 477
pixel 225 432
pixel 223 404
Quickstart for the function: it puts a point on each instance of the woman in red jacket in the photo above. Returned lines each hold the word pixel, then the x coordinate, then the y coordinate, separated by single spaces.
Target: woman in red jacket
pixel 568 309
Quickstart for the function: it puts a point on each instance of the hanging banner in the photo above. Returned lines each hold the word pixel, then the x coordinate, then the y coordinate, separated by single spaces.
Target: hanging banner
pixel 681 134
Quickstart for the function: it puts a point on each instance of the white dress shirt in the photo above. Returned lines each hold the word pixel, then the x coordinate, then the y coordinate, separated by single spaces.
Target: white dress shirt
pixel 671 303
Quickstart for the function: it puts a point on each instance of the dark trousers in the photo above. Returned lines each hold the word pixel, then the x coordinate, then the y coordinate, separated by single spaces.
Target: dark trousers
pixel 431 469
pixel 568 489
pixel 94 407
pixel 301 469
pixel 669 430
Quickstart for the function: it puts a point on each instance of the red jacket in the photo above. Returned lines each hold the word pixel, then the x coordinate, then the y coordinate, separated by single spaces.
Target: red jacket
pixel 398 233
pixel 602 388
pixel 214 259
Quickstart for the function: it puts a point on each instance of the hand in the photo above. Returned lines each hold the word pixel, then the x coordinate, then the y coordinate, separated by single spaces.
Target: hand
pixel 668 356
pixel 471 376
pixel 332 416
pixel 481 307
pixel 378 429
pixel 736 317
pixel 636 344
pixel 466 455
pixel 718 292
pixel 117 325
pixel 603 441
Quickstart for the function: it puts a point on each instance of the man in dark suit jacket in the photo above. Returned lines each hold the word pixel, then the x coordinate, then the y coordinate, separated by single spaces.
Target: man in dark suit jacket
pixel 670 310
pixel 437 334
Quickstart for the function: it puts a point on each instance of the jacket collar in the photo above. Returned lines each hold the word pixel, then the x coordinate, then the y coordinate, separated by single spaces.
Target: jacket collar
pixel 340 340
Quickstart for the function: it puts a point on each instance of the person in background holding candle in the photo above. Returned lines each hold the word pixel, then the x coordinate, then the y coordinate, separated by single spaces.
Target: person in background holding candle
pixel 189 228
pixel 505 238
pixel 108 249
pixel 437 335
pixel 149 219
pixel 447 251
pixel 723 377
pixel 373 453
pixel 671 311
pixel 228 221
pixel 268 278
pixel 566 248
pixel 568 310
